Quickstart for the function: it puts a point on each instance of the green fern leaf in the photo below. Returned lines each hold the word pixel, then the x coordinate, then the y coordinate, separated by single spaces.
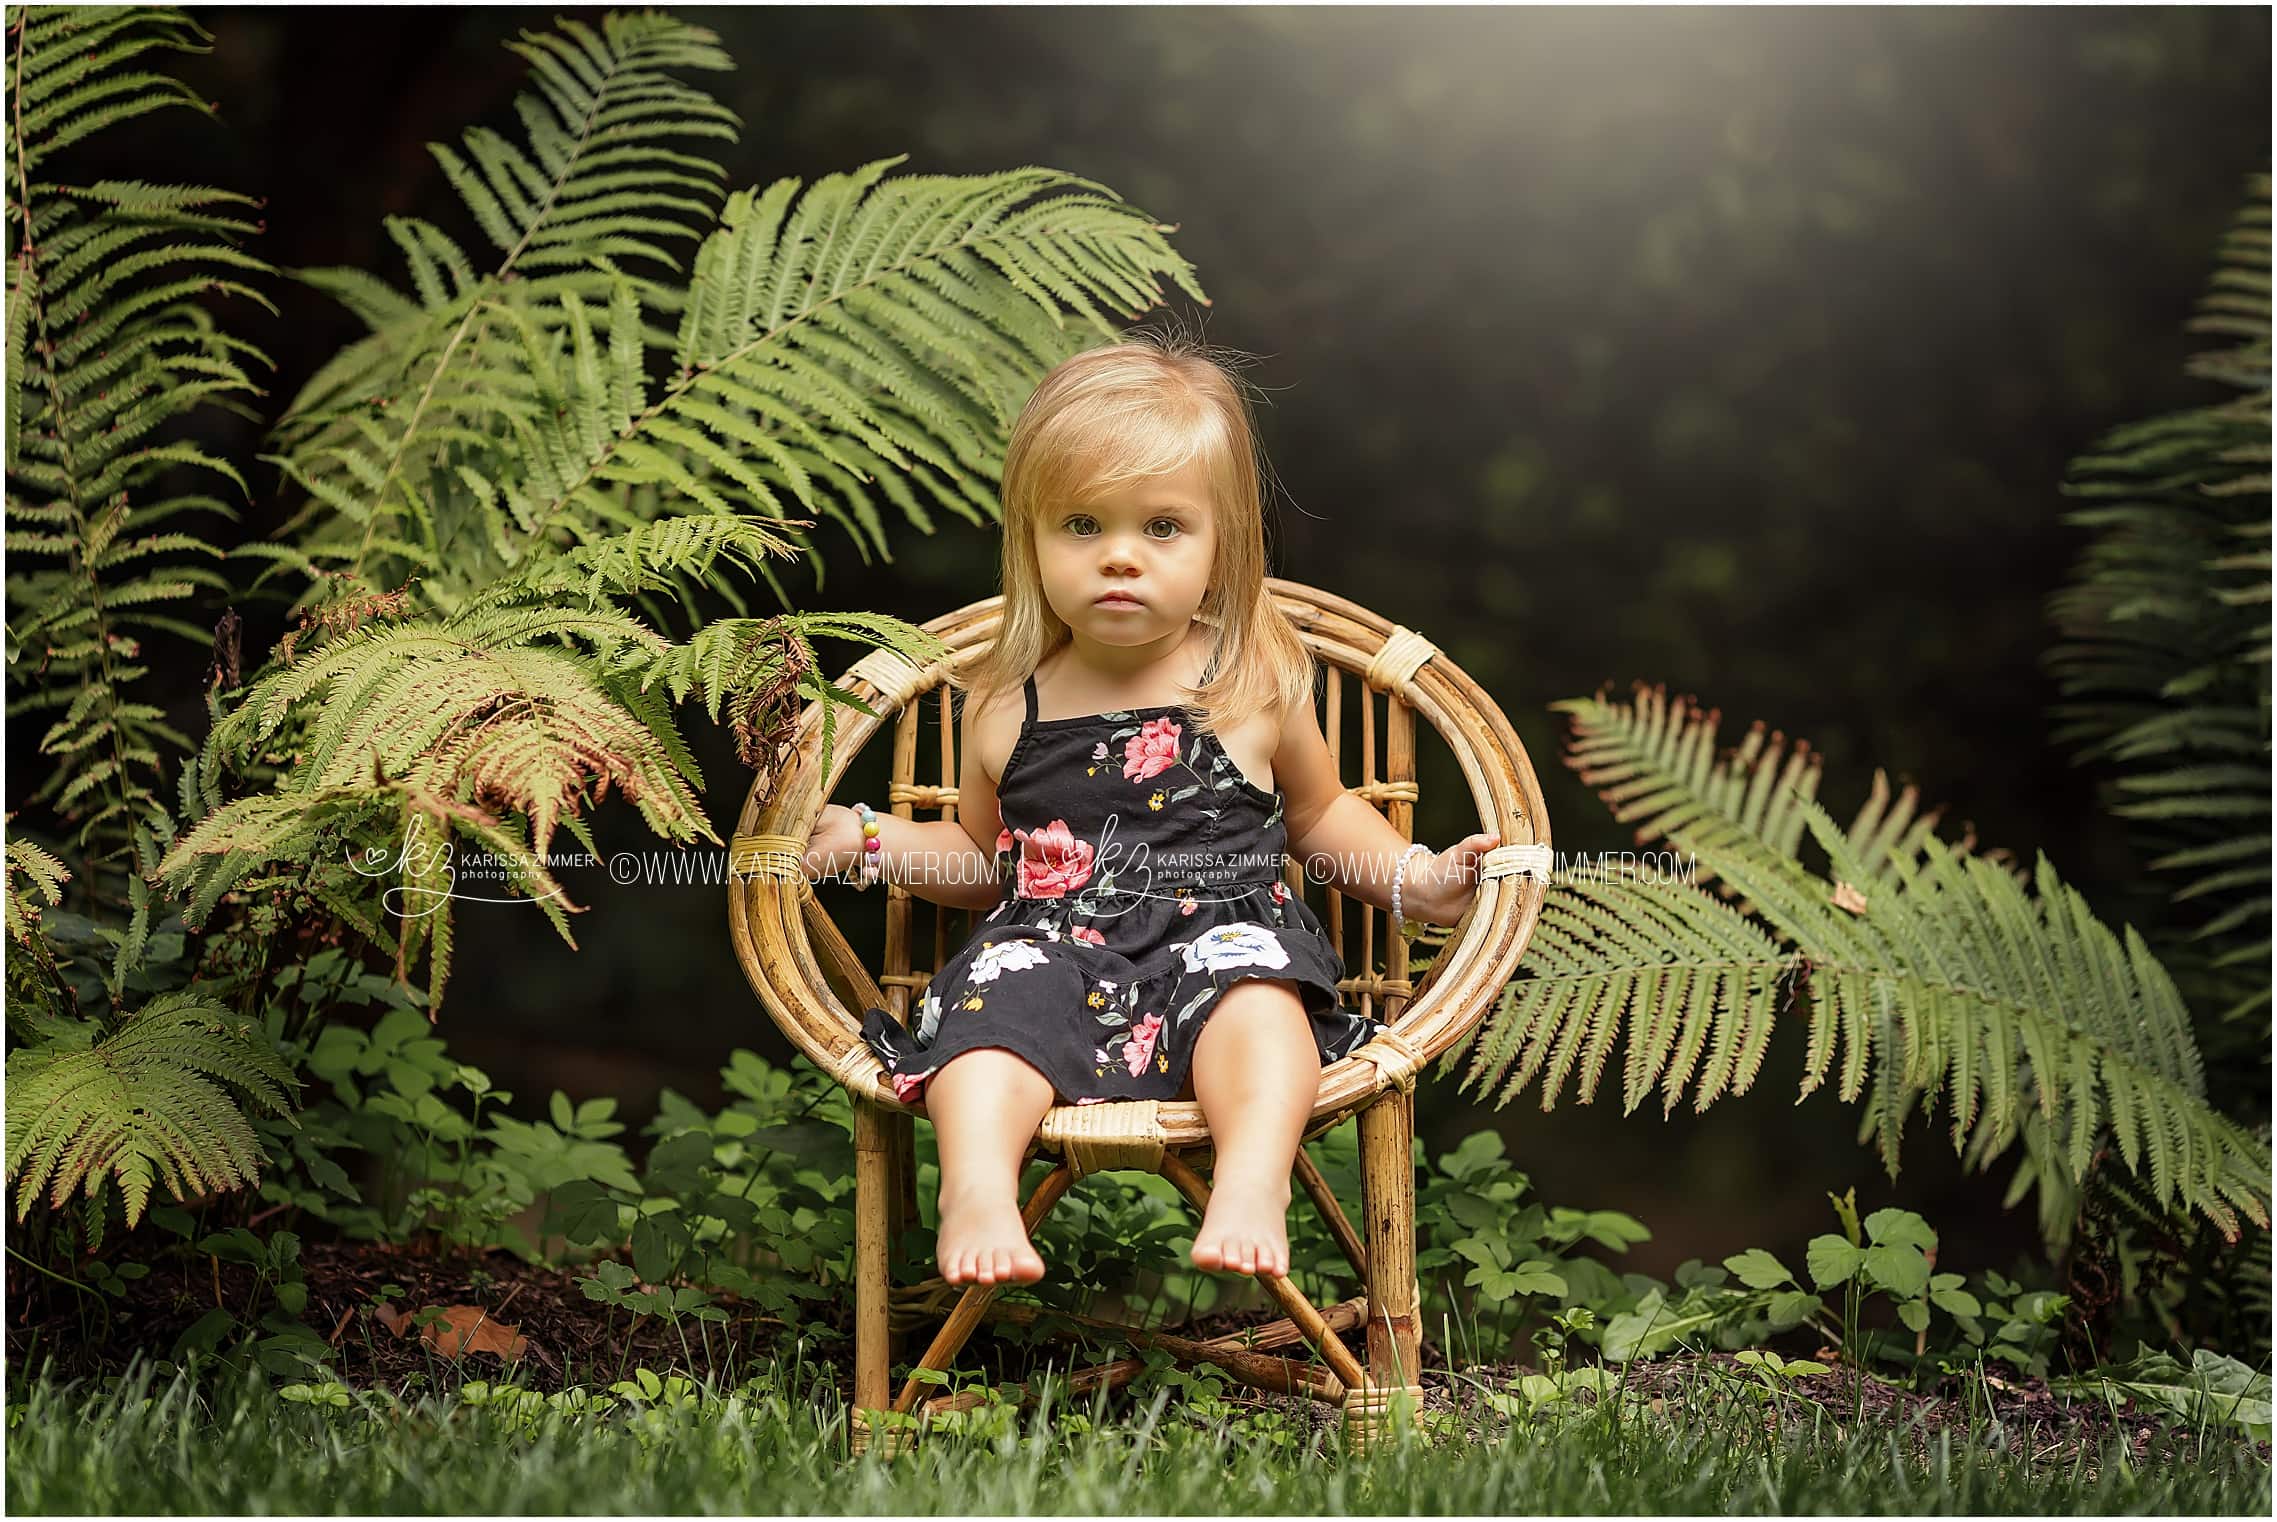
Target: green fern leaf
pixel 137 1106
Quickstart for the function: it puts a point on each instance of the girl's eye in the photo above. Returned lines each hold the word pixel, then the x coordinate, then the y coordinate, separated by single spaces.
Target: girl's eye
pixel 1083 525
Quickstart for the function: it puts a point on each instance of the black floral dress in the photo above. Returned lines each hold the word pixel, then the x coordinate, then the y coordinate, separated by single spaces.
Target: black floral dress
pixel 1152 884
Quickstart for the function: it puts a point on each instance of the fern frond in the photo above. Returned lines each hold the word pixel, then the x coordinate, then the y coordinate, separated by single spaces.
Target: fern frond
pixel 2163 650
pixel 151 1102
pixel 110 349
pixel 454 376
pixel 2092 1027
pixel 1663 763
pixel 46 877
pixel 40 999
pixel 1936 973
pixel 842 348
pixel 1604 952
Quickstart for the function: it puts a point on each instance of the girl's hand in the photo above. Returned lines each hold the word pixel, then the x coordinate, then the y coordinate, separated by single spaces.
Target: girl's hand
pixel 835 847
pixel 1438 890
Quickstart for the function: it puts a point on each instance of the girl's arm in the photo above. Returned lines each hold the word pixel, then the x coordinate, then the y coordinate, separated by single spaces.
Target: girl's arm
pixel 933 858
pixel 1337 836
pixel 941 860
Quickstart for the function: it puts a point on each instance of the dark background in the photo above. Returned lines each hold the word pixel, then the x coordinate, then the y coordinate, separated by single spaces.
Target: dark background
pixel 1740 350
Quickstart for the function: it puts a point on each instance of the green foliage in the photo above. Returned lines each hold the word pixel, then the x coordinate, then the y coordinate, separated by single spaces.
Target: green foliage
pixel 1935 972
pixel 109 349
pixel 504 505
pixel 38 995
pixel 1516 1257
pixel 866 335
pixel 1946 1323
pixel 2213 1390
pixel 2164 654
pixel 1660 765
pixel 534 462
pixel 142 1104
pixel 1702 1308
pixel 1668 956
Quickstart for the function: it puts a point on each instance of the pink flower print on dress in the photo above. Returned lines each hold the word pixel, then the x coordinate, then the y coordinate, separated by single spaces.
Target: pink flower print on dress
pixel 1280 891
pixel 907 1086
pixel 1053 863
pixel 1187 907
pixel 1140 1046
pixel 1093 1099
pixel 1152 751
pixel 1086 933
pixel 1003 840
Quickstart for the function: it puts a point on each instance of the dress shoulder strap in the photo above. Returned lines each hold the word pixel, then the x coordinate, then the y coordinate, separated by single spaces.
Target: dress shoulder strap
pixel 1029 687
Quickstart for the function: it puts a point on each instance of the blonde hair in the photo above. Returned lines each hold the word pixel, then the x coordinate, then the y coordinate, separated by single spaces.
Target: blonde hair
pixel 1143 407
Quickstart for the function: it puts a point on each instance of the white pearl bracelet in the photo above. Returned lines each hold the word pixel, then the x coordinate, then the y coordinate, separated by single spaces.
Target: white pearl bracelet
pixel 1399 873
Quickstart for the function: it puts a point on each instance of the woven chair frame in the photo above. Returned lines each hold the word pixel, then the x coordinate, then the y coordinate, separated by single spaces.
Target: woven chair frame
pixel 814 986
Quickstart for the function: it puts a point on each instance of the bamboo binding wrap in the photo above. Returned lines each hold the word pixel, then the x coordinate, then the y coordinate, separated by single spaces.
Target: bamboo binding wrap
pixel 776 923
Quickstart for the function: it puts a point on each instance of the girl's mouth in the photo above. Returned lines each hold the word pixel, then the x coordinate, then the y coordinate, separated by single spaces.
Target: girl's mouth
pixel 1117 600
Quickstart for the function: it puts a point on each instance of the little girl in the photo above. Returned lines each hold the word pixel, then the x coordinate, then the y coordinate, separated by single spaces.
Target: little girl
pixel 1140 748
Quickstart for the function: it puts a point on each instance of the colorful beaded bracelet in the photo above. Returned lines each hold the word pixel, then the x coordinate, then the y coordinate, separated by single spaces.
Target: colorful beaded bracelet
pixel 873 849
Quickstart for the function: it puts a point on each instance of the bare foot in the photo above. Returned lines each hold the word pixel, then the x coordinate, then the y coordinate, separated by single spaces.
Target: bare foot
pixel 1245 1230
pixel 981 1241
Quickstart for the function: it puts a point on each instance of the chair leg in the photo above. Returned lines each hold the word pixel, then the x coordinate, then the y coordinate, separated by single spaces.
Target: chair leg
pixel 874 1203
pixel 1395 1340
pixel 901 1196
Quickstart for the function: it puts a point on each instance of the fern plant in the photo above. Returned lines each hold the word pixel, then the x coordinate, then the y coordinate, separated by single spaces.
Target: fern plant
pixel 528 492
pixel 1929 972
pixel 2164 653
pixel 505 504
pixel 141 1105
pixel 863 338
pixel 109 348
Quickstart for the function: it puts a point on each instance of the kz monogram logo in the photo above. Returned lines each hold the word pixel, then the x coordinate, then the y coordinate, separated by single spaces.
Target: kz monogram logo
pixel 434 870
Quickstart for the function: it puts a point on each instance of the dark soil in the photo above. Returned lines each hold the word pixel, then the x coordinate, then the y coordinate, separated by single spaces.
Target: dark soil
pixel 574 1340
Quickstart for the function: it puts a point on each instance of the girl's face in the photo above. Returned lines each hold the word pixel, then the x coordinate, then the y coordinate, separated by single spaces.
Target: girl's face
pixel 1131 568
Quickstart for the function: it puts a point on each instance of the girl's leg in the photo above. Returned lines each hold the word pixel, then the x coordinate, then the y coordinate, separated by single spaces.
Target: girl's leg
pixel 985 1106
pixel 1256 1075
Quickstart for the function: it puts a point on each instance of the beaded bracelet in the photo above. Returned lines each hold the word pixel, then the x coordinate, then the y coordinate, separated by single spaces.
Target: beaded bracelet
pixel 1400 922
pixel 873 849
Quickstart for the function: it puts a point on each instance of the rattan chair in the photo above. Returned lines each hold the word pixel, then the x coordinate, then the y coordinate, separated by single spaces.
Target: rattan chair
pixel 814 986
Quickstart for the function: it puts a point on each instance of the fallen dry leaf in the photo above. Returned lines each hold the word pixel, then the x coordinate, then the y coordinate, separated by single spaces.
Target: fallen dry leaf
pixel 463 1329
pixel 1847 897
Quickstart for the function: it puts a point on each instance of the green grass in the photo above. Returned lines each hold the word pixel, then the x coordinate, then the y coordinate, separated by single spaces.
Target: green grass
pixel 775 1444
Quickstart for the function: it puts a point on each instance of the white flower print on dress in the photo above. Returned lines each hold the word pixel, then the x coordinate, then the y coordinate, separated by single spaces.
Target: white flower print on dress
pixel 1005 956
pixel 1240 944
pixel 928 1016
